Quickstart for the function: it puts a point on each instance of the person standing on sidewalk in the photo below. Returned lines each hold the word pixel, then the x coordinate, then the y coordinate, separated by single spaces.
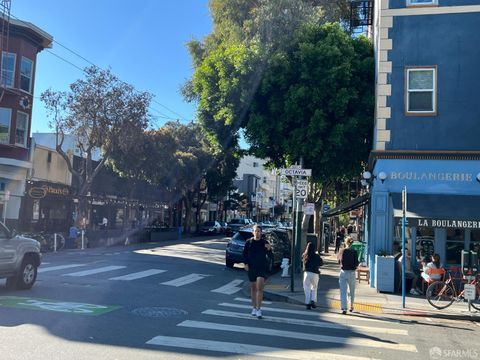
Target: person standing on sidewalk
pixel 311 273
pixel 255 256
pixel 349 263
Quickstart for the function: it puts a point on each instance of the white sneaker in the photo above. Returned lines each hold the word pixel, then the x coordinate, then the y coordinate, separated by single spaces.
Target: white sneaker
pixel 254 312
pixel 259 313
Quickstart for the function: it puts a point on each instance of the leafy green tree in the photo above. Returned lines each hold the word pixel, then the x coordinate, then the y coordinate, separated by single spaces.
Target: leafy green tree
pixel 101 113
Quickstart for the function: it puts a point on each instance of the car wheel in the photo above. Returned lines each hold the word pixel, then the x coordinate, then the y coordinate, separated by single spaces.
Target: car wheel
pixel 229 263
pixel 27 275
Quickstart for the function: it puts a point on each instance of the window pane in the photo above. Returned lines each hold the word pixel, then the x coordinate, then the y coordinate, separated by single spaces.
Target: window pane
pixel 421 79
pixel 21 131
pixel 8 69
pixel 420 101
pixel 422 2
pixel 5 115
pixel 25 74
pixel 454 246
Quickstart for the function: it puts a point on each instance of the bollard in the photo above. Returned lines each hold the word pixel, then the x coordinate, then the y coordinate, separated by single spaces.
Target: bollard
pixel 55 242
pixel 83 239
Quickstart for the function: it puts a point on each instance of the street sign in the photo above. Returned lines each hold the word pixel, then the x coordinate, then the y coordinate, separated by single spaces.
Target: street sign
pixel 469 291
pixel 296 172
pixel 326 207
pixel 301 189
pixel 309 208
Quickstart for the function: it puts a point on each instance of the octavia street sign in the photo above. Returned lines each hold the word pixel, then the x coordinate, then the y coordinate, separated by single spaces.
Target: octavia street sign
pixel 296 172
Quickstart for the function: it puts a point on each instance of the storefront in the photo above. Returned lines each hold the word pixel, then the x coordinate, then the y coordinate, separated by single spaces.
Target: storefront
pixel 442 210
pixel 47 207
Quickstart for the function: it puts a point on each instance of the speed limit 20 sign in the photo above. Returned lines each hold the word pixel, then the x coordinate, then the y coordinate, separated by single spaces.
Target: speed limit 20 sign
pixel 301 189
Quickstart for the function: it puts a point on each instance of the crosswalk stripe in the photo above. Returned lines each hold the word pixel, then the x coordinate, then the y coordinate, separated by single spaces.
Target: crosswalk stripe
pixel 321 324
pixel 298 335
pixel 245 349
pixel 230 288
pixel 184 280
pixel 311 313
pixel 138 275
pixel 95 271
pixel 249 301
pixel 59 267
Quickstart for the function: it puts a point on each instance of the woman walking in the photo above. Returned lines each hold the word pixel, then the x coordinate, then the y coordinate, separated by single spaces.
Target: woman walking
pixel 255 254
pixel 311 263
pixel 349 263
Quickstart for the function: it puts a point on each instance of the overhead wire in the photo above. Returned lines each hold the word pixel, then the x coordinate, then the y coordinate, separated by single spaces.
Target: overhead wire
pixel 162 115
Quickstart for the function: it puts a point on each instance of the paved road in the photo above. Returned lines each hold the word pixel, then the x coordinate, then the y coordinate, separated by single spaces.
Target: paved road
pixel 157 302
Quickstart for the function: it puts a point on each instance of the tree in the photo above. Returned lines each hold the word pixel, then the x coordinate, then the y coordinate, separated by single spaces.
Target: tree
pixel 101 113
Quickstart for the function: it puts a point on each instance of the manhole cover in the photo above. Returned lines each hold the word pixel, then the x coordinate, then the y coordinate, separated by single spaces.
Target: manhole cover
pixel 158 312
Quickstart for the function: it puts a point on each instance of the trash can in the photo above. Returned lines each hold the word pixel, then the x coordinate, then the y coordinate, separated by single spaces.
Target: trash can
pixel 359 247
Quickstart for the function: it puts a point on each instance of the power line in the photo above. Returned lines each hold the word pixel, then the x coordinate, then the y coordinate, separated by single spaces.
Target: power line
pixel 93 64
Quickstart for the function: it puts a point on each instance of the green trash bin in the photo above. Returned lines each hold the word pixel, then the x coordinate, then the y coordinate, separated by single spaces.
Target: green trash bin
pixel 359 247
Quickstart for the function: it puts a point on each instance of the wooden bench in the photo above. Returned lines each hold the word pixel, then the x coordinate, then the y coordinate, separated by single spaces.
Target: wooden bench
pixel 363 273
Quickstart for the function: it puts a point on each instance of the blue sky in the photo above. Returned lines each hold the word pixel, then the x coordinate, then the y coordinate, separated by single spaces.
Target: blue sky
pixel 143 42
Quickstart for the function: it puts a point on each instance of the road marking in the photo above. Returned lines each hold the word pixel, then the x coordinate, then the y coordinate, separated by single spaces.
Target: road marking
pixel 138 275
pixel 96 271
pixel 299 335
pixel 59 267
pixel 317 314
pixel 184 280
pixel 321 324
pixel 249 301
pixel 245 349
pixel 230 288
pixel 55 305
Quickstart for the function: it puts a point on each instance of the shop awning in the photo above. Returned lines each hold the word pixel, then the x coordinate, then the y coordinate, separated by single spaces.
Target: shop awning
pixel 349 206
pixel 435 210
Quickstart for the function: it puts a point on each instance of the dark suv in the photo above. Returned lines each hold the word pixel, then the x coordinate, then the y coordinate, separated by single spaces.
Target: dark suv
pixel 278 238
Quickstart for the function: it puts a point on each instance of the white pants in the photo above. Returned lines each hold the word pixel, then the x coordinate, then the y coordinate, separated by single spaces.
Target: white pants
pixel 310 286
pixel 347 278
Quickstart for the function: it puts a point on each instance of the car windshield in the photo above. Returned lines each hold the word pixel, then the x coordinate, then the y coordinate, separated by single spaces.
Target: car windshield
pixel 242 235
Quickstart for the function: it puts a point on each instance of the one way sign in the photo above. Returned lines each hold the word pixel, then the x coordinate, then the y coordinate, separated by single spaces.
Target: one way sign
pixel 296 172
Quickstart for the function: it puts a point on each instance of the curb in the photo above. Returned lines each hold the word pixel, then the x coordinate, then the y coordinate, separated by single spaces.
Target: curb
pixel 334 304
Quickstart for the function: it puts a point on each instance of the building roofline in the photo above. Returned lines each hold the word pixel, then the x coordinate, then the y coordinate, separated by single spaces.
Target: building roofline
pixel 47 39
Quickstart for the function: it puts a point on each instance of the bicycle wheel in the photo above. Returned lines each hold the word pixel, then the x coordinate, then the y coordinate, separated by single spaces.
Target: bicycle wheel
pixel 476 303
pixel 60 242
pixel 440 295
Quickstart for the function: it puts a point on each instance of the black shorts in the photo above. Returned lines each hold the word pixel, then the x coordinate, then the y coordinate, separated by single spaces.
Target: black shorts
pixel 256 271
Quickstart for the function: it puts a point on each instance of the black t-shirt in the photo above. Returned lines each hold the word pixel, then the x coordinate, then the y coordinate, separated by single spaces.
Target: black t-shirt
pixel 313 263
pixel 349 259
pixel 255 252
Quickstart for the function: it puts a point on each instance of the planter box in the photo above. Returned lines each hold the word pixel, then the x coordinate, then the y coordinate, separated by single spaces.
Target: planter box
pixel 385 273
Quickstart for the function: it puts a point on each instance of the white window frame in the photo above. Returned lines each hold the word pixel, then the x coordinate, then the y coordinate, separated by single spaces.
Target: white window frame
pixel 9 111
pixel 423 3
pixel 6 54
pixel 27 119
pixel 22 76
pixel 410 70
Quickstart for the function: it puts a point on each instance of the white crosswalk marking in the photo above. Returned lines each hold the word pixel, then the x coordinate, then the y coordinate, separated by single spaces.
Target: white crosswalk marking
pixel 59 267
pixel 95 271
pixel 298 335
pixel 184 280
pixel 249 301
pixel 231 288
pixel 138 275
pixel 244 349
pixel 320 324
pixel 308 313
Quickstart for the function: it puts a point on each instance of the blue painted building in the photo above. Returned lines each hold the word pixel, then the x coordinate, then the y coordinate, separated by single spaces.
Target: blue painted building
pixel 427 128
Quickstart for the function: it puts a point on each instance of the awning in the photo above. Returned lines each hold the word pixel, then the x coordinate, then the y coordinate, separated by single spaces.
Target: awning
pixel 346 207
pixel 436 210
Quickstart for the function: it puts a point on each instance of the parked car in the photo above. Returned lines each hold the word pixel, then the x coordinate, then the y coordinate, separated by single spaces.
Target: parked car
pixel 19 260
pixel 210 227
pixel 278 238
pixel 236 224
pixel 223 227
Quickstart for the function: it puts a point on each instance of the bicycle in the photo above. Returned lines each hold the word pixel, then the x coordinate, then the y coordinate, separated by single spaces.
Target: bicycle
pixel 442 293
pixel 48 244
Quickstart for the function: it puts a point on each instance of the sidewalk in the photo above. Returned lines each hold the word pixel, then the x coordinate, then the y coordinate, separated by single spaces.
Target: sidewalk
pixel 367 299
